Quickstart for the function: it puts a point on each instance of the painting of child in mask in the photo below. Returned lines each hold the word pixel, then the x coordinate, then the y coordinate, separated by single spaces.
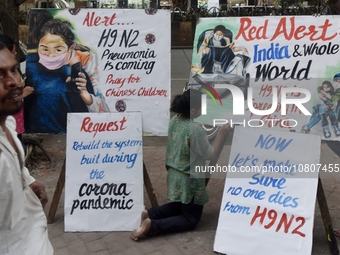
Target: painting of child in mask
pixel 326 111
pixel 219 54
pixel 64 75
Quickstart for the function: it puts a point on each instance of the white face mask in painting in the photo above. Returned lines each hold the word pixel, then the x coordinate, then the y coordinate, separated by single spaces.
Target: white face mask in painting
pixel 218 37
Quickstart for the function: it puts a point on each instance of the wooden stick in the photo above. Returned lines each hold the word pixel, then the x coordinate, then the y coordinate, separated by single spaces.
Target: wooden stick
pixel 61 184
pixel 57 195
pixel 327 221
pixel 149 188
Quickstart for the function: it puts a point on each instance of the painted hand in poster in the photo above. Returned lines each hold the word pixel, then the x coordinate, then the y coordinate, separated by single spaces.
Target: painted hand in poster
pixel 326 110
pixel 63 72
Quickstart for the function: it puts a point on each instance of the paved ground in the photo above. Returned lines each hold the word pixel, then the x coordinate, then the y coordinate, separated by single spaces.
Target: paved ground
pixel 199 241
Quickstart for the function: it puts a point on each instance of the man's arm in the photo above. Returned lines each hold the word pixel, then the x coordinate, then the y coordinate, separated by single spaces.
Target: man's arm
pixel 39 190
pixel 36 187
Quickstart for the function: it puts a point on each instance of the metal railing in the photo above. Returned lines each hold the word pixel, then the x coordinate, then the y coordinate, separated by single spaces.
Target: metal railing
pixel 237 11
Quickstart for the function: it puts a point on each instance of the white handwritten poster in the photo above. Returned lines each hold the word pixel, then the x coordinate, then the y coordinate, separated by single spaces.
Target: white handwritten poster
pixel 269 194
pixel 104 172
pixel 123 54
pixel 268 60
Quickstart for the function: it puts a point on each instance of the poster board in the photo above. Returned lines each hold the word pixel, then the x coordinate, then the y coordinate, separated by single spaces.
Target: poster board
pixel 269 209
pixel 125 55
pixel 104 172
pixel 268 54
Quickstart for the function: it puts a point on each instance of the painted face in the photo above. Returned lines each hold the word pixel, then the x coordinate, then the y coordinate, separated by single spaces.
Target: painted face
pixel 326 88
pixel 10 84
pixel 52 45
pixel 218 35
pixel 53 51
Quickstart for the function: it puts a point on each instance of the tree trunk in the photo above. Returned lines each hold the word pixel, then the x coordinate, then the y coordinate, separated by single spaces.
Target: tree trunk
pixel 9 16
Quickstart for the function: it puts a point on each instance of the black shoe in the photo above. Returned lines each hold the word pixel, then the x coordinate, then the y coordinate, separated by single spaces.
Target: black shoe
pixel 305 130
pixel 336 130
pixel 326 132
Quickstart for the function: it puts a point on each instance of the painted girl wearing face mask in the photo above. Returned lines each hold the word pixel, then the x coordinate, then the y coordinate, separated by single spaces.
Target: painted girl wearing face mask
pixel 218 52
pixel 58 57
pixel 57 48
pixel 327 109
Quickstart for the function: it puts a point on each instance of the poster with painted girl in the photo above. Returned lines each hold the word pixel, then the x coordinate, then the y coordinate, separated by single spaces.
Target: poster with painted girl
pixel 96 61
pixel 276 72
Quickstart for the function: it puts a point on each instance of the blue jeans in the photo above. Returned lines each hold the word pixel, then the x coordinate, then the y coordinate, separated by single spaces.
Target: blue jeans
pixel 174 217
pixel 222 55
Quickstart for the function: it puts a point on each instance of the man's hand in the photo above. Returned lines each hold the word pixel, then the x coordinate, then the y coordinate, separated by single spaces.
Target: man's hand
pixel 39 190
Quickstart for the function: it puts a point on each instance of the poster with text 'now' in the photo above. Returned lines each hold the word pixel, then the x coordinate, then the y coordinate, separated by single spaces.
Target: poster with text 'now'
pixel 104 172
pixel 269 195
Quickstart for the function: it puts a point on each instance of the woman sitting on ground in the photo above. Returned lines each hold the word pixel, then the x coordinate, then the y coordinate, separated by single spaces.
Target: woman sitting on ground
pixel 187 147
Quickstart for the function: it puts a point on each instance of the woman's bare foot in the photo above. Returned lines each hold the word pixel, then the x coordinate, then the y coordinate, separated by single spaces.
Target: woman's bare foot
pixel 141 231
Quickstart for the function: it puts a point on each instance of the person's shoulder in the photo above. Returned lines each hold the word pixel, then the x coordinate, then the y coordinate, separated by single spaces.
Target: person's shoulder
pixel 177 121
pixel 226 39
pixel 197 129
pixel 10 122
pixel 82 54
pixel 173 119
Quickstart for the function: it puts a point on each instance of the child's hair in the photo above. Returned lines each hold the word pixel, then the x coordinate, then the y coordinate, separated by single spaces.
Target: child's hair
pixel 330 85
pixel 58 27
pixel 64 30
pixel 36 20
pixel 7 41
pixel 190 99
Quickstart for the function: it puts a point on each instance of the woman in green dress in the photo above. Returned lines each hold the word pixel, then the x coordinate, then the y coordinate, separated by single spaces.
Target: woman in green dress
pixel 187 147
